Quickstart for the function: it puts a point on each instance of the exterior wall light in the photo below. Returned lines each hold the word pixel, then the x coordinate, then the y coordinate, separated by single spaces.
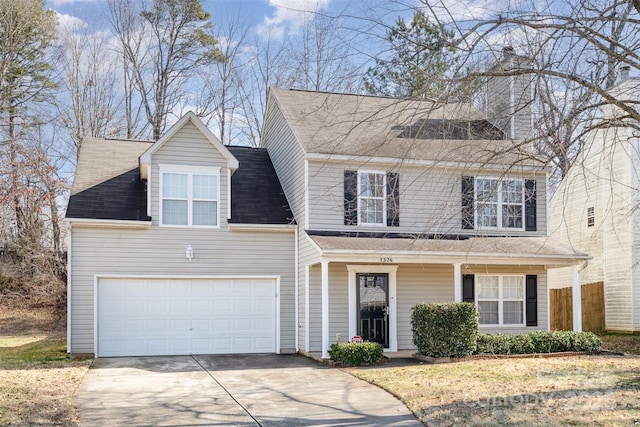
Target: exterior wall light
pixel 189 253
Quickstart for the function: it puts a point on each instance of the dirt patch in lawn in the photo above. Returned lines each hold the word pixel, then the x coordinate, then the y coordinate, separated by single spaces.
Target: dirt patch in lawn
pixel 585 390
pixel 38 380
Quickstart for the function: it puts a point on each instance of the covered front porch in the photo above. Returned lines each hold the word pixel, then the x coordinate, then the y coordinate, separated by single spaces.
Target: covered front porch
pixel 367 287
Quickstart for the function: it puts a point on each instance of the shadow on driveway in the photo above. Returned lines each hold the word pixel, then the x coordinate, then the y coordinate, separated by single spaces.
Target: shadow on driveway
pixel 242 390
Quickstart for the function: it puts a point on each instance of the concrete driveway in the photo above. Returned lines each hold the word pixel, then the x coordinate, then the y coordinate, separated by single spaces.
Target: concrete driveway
pixel 252 390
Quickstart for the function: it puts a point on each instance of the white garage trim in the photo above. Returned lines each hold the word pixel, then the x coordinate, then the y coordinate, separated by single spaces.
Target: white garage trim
pixel 98 277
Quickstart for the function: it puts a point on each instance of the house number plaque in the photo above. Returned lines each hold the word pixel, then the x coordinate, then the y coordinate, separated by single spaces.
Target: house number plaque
pixel 386 259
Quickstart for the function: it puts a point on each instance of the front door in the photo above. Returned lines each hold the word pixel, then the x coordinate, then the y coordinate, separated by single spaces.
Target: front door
pixel 373 307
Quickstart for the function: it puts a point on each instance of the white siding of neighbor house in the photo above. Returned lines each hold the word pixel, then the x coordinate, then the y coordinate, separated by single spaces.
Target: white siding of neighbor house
pixel 635 228
pixel 415 283
pixel 602 178
pixel 430 199
pixel 160 251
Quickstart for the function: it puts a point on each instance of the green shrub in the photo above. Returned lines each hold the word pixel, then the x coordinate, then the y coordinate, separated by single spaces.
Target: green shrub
pixel 537 342
pixel 356 354
pixel 445 330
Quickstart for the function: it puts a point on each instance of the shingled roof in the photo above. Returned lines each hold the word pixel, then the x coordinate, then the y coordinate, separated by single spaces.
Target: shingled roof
pixel 107 182
pixel 107 185
pixel 359 125
pixel 256 194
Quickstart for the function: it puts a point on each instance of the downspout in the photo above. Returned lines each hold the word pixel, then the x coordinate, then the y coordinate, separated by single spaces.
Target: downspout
pixel 296 279
pixel 69 234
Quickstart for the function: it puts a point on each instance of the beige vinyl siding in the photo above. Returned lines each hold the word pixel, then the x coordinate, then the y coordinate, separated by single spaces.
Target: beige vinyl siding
pixel 417 283
pixel 308 255
pixel 315 308
pixel 188 147
pixel 430 199
pixel 287 157
pixel 161 252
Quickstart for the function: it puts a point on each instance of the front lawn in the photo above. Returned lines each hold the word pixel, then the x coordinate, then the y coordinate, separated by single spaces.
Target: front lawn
pixel 585 390
pixel 38 380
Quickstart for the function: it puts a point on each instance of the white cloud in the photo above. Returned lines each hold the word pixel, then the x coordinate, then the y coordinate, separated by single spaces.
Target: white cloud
pixel 289 16
pixel 56 3
pixel 69 23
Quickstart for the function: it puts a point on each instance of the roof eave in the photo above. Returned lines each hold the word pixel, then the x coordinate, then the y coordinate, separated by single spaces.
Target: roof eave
pixel 362 255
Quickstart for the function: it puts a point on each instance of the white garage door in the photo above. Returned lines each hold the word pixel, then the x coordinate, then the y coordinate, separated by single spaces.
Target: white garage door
pixel 144 317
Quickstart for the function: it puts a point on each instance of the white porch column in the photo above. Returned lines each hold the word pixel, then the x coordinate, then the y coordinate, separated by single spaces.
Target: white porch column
pixel 325 309
pixel 457 283
pixel 577 300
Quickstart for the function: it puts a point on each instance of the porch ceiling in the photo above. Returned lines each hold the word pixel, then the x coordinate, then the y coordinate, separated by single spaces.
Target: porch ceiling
pixel 508 250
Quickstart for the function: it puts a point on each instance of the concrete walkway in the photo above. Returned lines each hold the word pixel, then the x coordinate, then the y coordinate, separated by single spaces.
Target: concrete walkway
pixel 254 390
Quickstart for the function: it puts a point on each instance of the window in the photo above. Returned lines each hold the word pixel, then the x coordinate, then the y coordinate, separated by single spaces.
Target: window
pixel 591 216
pixel 189 197
pixel 372 198
pixel 500 203
pixel 500 300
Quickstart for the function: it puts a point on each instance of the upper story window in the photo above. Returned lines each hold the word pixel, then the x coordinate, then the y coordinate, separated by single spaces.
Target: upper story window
pixel 591 216
pixel 189 196
pixel 500 300
pixel 492 203
pixel 371 198
pixel 500 203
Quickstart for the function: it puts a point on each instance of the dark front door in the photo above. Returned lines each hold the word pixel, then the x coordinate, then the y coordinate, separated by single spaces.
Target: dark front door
pixel 373 307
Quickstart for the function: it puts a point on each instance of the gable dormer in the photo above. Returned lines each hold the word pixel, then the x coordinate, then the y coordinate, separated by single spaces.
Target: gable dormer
pixel 188 173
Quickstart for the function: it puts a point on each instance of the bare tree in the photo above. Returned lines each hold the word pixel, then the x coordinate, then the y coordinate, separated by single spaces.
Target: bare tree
pixel 321 58
pixel 89 103
pixel 575 50
pixel 163 44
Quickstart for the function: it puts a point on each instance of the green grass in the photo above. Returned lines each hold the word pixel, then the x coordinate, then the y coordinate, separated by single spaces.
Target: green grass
pixel 40 352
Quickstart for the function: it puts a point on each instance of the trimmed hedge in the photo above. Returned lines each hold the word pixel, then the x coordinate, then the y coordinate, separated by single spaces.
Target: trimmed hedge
pixel 445 330
pixel 537 342
pixel 356 354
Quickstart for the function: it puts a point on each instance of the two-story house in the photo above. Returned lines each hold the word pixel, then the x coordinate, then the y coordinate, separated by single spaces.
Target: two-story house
pixel 399 202
pixel 596 210
pixel 355 209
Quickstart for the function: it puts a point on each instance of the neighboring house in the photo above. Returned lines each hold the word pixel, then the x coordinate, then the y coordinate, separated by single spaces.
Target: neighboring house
pixel 187 246
pixel 596 210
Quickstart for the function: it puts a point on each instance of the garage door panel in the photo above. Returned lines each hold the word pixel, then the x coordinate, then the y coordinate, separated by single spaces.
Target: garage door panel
pixel 204 316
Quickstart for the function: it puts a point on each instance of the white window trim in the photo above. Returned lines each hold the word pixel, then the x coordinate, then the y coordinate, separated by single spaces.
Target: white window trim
pixel 384 199
pixel 190 171
pixel 499 203
pixel 501 300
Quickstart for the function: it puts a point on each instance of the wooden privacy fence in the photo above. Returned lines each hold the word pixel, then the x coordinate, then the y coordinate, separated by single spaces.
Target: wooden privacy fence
pixel 561 306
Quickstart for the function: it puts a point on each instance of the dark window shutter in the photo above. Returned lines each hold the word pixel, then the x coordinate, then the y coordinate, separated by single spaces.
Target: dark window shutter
pixel 467 203
pixel 393 199
pixel 530 217
pixel 350 198
pixel 532 300
pixel 468 292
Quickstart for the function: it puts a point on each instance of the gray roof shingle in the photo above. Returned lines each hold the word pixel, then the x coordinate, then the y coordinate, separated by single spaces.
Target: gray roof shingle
pixel 359 125
pixel 107 185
